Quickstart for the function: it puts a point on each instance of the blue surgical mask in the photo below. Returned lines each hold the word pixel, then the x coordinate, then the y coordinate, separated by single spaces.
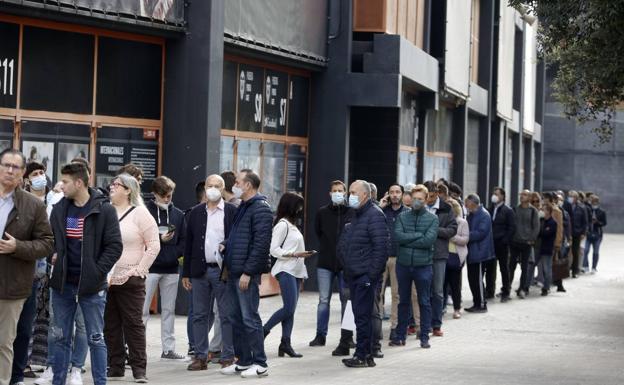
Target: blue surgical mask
pixel 354 201
pixel 571 200
pixel 417 204
pixel 38 183
pixel 337 198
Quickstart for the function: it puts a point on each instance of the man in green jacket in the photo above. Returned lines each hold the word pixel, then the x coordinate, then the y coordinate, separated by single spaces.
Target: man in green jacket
pixel 415 231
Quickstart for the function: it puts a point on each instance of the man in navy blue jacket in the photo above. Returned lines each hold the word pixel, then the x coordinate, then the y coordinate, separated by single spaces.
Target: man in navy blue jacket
pixel 480 250
pixel 363 250
pixel 246 259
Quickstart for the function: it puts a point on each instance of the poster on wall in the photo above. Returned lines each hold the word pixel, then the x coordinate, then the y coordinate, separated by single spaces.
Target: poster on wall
pixel 42 152
pixel 119 146
pixel 69 151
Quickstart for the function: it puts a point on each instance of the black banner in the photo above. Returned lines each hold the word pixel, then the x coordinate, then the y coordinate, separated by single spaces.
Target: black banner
pixel 9 47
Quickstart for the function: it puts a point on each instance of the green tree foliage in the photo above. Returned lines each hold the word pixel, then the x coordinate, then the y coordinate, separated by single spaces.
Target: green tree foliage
pixel 584 41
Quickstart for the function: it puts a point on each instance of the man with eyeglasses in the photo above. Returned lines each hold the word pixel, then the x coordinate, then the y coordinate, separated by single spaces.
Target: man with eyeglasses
pixel 23 242
pixel 88 244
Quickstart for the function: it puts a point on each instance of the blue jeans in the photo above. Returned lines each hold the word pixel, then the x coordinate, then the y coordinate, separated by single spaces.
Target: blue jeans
pixel 189 322
pixel 289 287
pixel 362 292
pixel 80 346
pixel 595 244
pixel 325 280
pixel 24 332
pixel 92 306
pixel 422 277
pixel 437 292
pixel 246 323
pixel 546 265
pixel 205 290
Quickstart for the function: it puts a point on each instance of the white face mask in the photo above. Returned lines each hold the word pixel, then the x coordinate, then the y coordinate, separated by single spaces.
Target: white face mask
pixel 213 194
pixel 38 183
pixel 337 198
pixel 238 192
pixel 495 199
pixel 162 206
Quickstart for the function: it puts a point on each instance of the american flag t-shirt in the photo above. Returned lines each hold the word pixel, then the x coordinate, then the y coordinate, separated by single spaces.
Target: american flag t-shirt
pixel 74 228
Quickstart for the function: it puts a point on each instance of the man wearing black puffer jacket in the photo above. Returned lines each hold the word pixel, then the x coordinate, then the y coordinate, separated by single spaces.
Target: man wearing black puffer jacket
pixel 363 249
pixel 163 274
pixel 88 243
pixel 246 259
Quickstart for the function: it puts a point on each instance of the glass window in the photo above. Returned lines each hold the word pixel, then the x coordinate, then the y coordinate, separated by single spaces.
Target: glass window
pixel 226 155
pixel 230 90
pixel 248 155
pixel 408 133
pixel 298 96
pixel 275 101
pixel 295 181
pixel 6 134
pixel 508 165
pixel 407 167
pixel 54 144
pixel 273 161
pixel 250 96
pixel 471 176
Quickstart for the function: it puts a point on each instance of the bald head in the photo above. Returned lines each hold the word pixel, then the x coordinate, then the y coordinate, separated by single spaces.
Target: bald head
pixel 215 181
pixel 360 189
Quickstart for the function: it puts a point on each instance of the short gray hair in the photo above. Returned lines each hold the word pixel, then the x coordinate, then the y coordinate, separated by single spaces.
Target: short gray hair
pixel 409 187
pixel 474 198
pixel 365 186
pixel 133 185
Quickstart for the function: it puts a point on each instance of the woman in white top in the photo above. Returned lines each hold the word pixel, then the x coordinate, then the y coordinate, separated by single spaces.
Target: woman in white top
pixel 288 248
pixel 457 258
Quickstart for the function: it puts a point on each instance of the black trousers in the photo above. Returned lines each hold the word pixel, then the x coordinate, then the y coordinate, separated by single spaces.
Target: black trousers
pixel 520 254
pixel 502 256
pixel 475 280
pixel 452 284
pixel 576 252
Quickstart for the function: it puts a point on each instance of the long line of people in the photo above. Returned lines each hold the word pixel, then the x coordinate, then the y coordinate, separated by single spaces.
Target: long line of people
pixel 108 253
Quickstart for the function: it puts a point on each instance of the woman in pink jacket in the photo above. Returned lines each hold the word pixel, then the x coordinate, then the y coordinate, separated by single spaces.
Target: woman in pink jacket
pixel 457 258
pixel 126 294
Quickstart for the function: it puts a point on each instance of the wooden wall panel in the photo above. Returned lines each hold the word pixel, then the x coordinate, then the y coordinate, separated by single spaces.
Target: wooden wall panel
pixel 474 49
pixel 420 24
pixel 368 15
pixel 412 7
pixel 391 16
pixel 402 17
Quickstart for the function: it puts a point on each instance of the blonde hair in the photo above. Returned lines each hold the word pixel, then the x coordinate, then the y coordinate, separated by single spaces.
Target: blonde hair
pixel 456 207
pixel 133 185
pixel 420 188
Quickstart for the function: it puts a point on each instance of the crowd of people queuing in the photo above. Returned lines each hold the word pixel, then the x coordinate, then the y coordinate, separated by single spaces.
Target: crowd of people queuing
pixel 79 266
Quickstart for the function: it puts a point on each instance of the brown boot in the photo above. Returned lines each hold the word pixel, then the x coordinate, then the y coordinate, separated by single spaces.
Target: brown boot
pixel 226 363
pixel 198 364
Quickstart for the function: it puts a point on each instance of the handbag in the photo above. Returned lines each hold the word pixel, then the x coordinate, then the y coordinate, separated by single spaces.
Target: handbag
pixel 560 267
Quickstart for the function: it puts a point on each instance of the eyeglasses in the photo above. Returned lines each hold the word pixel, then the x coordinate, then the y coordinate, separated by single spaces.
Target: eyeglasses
pixel 117 184
pixel 10 166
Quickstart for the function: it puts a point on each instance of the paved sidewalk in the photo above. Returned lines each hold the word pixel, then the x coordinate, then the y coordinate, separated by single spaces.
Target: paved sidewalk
pixel 571 338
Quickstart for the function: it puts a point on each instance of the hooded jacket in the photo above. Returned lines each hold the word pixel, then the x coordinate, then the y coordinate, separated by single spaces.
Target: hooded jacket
pixel 101 244
pixel 167 260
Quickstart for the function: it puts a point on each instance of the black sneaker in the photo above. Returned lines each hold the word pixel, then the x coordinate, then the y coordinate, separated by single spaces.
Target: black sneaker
pixel 351 343
pixel 191 352
pixel 318 341
pixel 355 362
pixel 476 309
pixel 561 290
pixel 396 343
pixel 371 362
pixel 377 353
pixel 341 351
pixel 505 298
pixel 544 292
pixel 425 344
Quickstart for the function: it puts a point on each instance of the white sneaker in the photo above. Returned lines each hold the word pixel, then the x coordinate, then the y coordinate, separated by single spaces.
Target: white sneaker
pixel 46 377
pixel 594 271
pixel 19 383
pixel 233 369
pixel 255 371
pixel 75 376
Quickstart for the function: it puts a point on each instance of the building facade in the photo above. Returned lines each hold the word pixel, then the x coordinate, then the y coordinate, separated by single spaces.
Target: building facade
pixel 304 92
